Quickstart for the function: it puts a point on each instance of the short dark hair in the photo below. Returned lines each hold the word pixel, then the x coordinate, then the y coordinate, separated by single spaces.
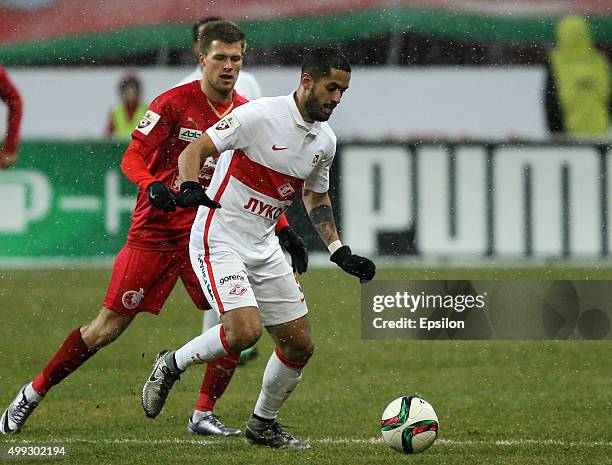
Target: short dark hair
pixel 224 30
pixel 196 26
pixel 129 80
pixel 319 62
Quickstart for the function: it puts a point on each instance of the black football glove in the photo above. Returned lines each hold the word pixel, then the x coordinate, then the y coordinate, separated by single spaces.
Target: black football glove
pixel 161 196
pixel 294 244
pixel 192 193
pixel 358 266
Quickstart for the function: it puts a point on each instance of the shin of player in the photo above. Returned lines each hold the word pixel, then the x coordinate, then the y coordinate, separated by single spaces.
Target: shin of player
pixel 279 145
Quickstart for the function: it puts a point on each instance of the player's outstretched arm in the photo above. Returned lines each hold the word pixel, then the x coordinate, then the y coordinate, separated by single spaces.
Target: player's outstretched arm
pixel 192 192
pixel 190 157
pixel 319 208
pixel 135 169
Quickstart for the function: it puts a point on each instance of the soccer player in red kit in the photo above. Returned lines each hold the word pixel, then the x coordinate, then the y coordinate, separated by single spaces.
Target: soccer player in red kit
pixel 156 253
pixel 10 95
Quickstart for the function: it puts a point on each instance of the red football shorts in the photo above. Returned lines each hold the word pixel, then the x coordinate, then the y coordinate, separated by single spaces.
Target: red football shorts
pixel 142 280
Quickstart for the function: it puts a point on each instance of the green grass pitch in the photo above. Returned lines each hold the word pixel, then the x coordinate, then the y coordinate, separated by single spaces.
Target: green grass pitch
pixel 499 402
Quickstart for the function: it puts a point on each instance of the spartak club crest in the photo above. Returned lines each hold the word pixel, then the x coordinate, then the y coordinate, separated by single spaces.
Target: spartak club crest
pixel 223 125
pixel 132 299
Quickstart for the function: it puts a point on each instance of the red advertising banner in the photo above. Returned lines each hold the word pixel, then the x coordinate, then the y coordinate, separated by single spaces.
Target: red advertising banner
pixel 56 31
pixel 45 19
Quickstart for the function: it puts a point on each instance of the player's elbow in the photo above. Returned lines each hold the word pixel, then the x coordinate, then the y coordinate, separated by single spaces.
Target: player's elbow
pixel 124 166
pixel 313 199
pixel 307 198
pixel 125 161
pixel 15 105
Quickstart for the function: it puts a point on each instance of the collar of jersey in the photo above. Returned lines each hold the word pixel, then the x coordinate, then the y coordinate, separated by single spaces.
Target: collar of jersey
pixel 312 128
pixel 220 110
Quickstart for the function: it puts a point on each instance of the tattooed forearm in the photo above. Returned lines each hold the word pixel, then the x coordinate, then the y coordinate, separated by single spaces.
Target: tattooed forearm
pixel 322 218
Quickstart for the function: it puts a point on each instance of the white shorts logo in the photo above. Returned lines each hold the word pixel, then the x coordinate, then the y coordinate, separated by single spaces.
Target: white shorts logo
pixel 132 299
pixel 226 126
pixel 238 290
pixel 148 122
pixel 189 135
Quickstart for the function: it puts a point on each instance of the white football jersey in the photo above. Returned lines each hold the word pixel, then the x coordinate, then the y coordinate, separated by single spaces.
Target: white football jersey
pixel 246 84
pixel 268 153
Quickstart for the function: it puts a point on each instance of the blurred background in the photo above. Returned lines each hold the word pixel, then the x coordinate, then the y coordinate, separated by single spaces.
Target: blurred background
pixel 474 131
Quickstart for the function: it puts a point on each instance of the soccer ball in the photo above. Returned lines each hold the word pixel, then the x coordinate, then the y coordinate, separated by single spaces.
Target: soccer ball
pixel 409 424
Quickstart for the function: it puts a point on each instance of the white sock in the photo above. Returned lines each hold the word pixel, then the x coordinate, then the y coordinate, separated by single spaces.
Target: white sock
pixel 279 380
pixel 199 414
pixel 209 320
pixel 31 394
pixel 205 347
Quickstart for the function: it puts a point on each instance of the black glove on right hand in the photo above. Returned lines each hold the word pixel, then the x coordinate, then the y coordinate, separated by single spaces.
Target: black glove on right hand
pixel 192 193
pixel 161 196
pixel 358 266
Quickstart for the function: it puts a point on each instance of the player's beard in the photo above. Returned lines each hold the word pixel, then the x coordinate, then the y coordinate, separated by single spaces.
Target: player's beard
pixel 314 108
pixel 222 89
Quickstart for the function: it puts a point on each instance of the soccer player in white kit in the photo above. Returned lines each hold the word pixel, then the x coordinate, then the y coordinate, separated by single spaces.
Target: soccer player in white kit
pixel 280 145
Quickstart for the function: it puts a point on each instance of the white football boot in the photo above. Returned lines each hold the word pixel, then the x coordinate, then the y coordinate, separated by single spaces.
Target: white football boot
pixel 158 385
pixel 210 425
pixel 15 416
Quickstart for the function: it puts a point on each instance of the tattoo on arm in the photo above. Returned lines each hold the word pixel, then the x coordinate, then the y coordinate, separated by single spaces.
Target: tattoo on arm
pixel 322 218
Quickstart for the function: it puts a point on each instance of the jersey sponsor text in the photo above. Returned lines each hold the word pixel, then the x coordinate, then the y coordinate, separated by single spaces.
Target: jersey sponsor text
pixel 188 134
pixel 232 277
pixel 263 209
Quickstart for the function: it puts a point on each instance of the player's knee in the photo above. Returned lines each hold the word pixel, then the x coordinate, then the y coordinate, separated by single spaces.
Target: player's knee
pixel 306 350
pixel 250 336
pixel 300 350
pixel 244 337
pixel 242 328
pixel 103 330
pixel 97 336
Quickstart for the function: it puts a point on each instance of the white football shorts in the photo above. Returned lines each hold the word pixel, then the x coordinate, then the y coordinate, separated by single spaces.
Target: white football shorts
pixel 271 287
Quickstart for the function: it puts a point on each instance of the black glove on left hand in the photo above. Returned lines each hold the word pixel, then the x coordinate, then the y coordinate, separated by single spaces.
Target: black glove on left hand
pixel 294 244
pixel 161 196
pixel 192 193
pixel 358 266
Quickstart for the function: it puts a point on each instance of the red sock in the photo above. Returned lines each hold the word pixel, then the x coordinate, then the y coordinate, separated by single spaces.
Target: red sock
pixel 216 378
pixel 72 354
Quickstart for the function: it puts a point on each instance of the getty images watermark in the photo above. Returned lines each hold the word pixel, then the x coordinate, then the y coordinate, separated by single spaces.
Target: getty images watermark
pixel 414 303
pixel 486 310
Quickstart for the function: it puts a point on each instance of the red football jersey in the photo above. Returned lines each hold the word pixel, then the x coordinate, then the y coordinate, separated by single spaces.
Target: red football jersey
pixel 174 119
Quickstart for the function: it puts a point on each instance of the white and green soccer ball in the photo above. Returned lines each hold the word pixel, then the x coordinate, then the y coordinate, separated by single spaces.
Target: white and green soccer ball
pixel 409 424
